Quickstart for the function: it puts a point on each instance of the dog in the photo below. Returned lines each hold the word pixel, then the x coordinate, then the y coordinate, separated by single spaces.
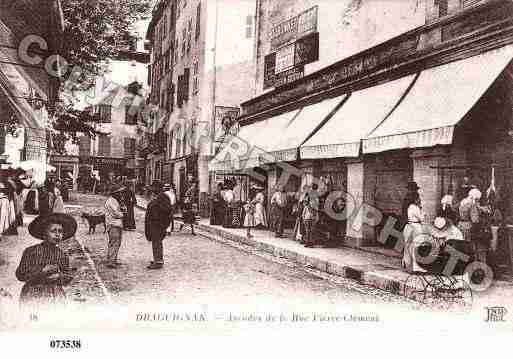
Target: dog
pixel 93 220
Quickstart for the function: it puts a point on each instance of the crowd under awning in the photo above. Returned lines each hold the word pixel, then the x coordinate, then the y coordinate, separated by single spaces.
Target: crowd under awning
pixel 309 119
pixel 363 111
pixel 439 99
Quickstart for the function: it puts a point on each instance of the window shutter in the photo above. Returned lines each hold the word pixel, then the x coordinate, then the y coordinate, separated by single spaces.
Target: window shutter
pixel 186 77
pixel 198 21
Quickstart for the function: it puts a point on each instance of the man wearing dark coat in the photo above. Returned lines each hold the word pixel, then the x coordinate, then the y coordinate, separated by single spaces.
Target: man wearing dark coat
pixel 156 222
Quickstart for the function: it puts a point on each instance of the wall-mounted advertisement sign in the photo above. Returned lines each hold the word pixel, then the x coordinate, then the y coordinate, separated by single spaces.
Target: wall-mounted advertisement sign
pixel 285 77
pixel 284 58
pixel 294 43
pixel 287 64
pixel 294 28
pixel 226 120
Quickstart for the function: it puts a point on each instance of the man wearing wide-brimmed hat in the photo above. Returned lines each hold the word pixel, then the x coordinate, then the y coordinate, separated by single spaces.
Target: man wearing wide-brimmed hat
pixel 114 212
pixel 156 221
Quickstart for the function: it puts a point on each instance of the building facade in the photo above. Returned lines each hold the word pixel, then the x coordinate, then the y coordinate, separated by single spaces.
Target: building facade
pixel 113 149
pixel 202 69
pixel 370 95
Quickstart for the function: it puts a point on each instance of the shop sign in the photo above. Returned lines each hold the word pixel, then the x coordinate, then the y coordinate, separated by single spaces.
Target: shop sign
pixel 109 161
pixel 284 58
pixel 287 64
pixel 284 77
pixel 294 28
pixel 64 158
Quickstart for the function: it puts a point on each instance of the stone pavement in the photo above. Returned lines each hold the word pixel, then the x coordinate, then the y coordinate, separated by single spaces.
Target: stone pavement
pixel 366 267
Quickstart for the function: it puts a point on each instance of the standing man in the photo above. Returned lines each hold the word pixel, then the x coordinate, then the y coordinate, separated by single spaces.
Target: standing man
pixel 114 213
pixel 158 218
pixel 279 200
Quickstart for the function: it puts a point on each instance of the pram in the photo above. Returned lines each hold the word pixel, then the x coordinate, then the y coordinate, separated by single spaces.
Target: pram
pixel 440 284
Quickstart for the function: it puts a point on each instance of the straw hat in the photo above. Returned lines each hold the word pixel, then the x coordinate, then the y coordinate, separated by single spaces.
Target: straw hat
pixel 37 227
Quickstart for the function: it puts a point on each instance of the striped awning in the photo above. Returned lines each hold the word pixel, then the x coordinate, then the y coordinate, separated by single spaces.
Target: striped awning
pixel 439 99
pixel 341 136
pixel 308 120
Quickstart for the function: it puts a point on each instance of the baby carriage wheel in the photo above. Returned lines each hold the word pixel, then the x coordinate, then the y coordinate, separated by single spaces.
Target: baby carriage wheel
pixel 415 288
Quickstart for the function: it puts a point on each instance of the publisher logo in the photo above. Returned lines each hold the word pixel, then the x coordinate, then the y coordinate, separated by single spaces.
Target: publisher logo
pixel 495 314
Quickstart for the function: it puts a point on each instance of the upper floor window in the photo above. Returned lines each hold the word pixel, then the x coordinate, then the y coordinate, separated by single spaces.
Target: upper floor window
pixel 104 145
pixel 84 146
pixel 249 27
pixel 105 113
pixel 195 82
pixel 189 35
pixel 129 147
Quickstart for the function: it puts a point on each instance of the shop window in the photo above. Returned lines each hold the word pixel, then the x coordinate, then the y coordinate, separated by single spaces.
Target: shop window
pixel 198 21
pixel 249 27
pixel 104 145
pixel 184 144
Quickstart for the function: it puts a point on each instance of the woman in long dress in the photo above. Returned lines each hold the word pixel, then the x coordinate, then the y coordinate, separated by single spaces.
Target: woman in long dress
pixel 413 234
pixel 4 209
pixel 260 215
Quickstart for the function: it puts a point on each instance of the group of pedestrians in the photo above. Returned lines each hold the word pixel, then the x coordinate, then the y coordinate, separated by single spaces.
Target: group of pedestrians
pixel 465 219
pixel 158 222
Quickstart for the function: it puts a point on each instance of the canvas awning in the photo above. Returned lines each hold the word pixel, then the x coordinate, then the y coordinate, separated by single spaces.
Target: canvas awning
pixel 284 148
pixel 10 97
pixel 341 136
pixel 439 99
pixel 249 148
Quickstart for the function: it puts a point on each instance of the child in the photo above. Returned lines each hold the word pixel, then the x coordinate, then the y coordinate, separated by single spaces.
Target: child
pixel 45 267
pixel 249 218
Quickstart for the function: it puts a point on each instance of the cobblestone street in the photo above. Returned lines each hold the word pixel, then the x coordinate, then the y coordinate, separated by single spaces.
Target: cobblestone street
pixel 199 270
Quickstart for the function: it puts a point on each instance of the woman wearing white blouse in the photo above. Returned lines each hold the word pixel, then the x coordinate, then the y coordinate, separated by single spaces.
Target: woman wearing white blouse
pixel 260 215
pixel 413 234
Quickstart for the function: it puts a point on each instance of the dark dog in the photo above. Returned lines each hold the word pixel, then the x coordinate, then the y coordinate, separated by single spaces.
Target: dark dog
pixel 94 220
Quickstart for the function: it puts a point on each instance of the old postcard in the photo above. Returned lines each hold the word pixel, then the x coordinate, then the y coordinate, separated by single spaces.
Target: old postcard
pixel 224 167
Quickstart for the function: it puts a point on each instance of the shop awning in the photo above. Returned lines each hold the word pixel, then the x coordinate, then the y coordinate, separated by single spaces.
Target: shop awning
pixel 341 136
pixel 439 99
pixel 284 148
pixel 250 147
pixel 10 97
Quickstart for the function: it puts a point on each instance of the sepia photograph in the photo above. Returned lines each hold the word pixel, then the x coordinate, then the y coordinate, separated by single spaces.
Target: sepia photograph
pixel 314 168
